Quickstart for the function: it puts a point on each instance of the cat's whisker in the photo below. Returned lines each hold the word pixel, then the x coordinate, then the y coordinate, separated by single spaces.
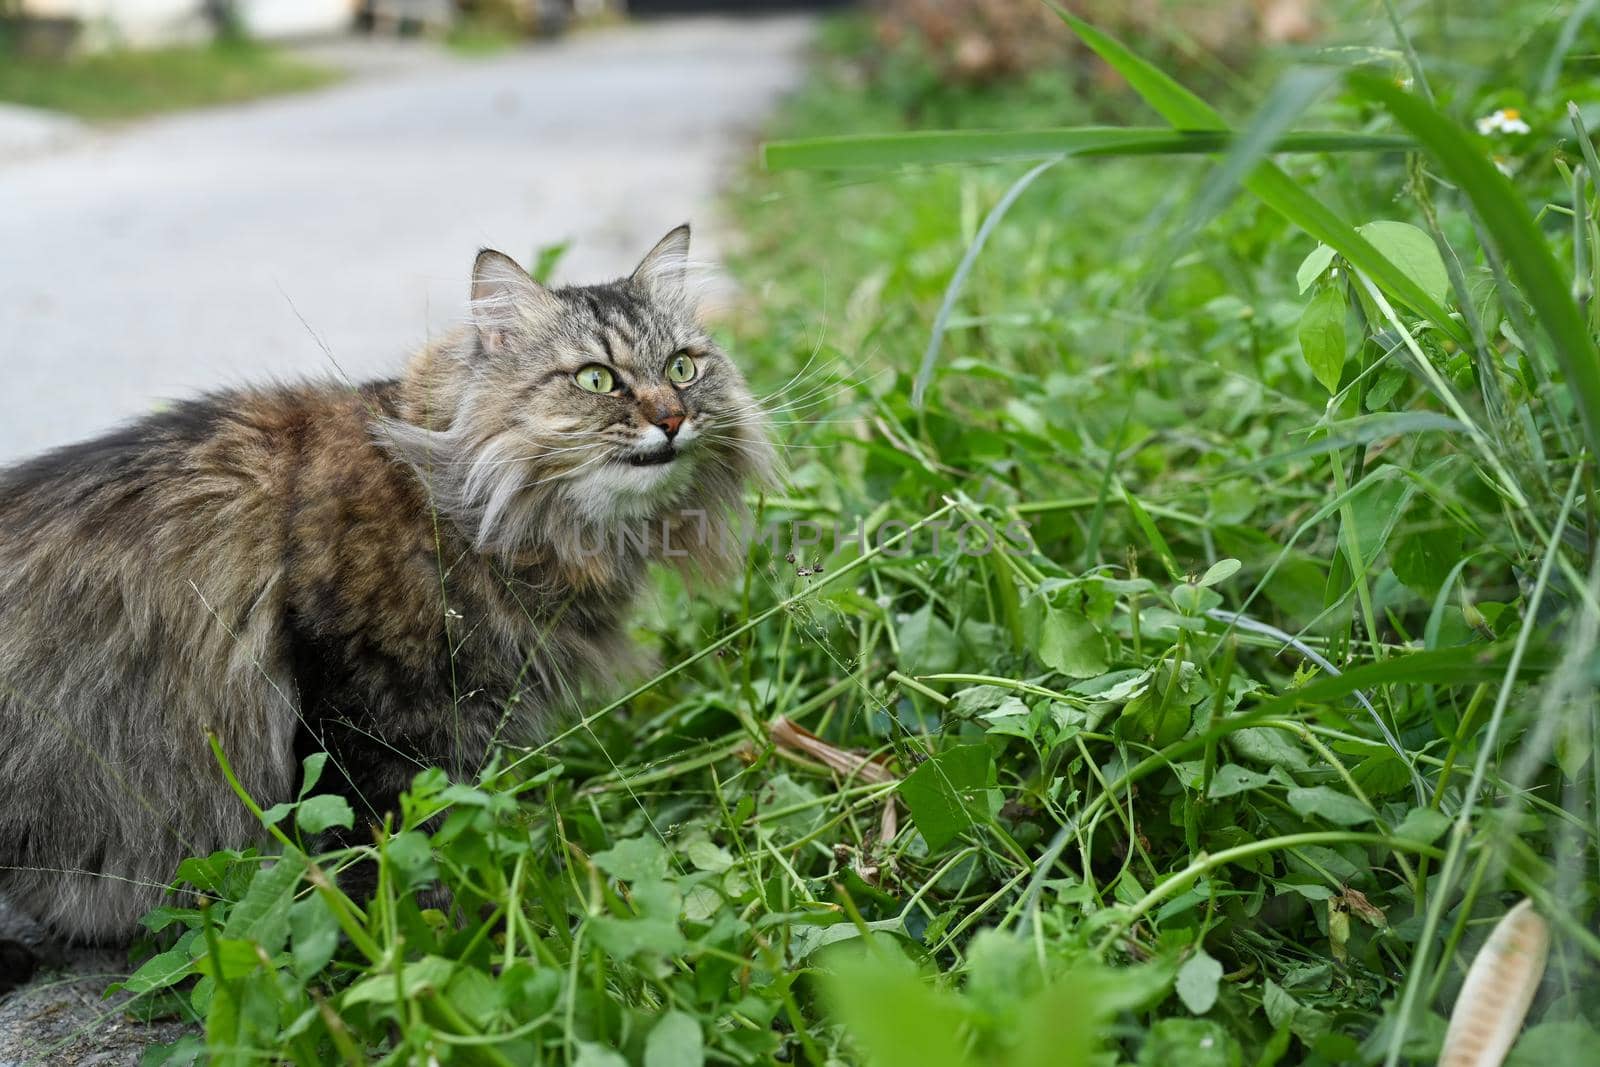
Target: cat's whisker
pixel 814 398
pixel 820 394
pixel 740 441
pixel 847 373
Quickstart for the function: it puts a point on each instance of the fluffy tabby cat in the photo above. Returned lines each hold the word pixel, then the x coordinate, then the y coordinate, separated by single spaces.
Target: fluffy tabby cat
pixel 399 573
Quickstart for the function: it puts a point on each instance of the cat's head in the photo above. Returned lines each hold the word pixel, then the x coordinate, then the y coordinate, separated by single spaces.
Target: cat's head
pixel 577 412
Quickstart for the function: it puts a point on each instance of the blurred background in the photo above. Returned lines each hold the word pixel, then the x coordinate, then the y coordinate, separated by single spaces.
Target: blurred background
pixel 202 192
pixel 195 193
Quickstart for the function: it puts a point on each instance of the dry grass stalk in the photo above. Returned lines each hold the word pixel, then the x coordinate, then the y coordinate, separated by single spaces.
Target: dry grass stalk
pixel 1499 988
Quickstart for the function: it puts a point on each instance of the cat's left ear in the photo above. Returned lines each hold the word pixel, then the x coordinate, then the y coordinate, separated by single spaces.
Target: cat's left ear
pixel 664 269
pixel 501 292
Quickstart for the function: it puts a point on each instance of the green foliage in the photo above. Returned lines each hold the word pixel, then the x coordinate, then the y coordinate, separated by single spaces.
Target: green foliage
pixel 125 84
pixel 1226 758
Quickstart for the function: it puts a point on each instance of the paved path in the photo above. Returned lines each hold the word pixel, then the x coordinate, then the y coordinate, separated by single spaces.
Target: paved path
pixel 150 261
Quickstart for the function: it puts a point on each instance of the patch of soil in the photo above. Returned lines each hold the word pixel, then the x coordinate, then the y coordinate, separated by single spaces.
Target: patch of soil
pixel 61 1015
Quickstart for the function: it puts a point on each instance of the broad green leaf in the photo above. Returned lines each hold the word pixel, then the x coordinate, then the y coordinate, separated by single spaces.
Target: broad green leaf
pixel 804 940
pixel 927 643
pixel 157 919
pixel 1310 890
pixel 1382 774
pixel 1162 713
pixel 1375 510
pixel 1219 572
pixel 263 914
pixel 1070 644
pixel 1319 801
pixel 701 902
pixel 1199 979
pixel 1015 719
pixel 411 857
pixel 1390 379
pixel 1414 252
pixel 675 1041
pixel 1283 1009
pixel 1422 824
pixel 1312 266
pixel 594 1054
pixel 207 873
pixel 708 856
pixel 1194 600
pixel 636 859
pixel 224 1041
pixel 1190 1042
pixel 1553 1043
pixel 474 995
pixel 235 958
pixel 164 969
pixel 185 1052
pixel 1322 336
pixel 314 935
pixel 1269 748
pixel 943 793
pixel 274 815
pixel 893 1016
pixel 1230 778
pixel 318 813
pixel 1063 1024
pixel 654 931
pixel 428 973
pixel 797 799
pixel 1423 559
pixel 311 772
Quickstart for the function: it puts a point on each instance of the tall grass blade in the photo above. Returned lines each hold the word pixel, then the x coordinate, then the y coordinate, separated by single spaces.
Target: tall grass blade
pixel 930 357
pixel 1268 182
pixel 1177 105
pixel 930 147
pixel 1284 105
pixel 1513 229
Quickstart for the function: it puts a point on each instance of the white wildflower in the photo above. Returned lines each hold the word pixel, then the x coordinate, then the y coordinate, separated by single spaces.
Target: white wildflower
pixel 1505 120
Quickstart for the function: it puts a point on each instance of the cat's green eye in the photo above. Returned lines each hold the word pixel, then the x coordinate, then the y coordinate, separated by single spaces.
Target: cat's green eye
pixel 681 368
pixel 596 379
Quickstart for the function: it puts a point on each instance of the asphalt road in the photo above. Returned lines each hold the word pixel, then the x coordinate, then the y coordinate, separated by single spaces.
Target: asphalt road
pixel 154 260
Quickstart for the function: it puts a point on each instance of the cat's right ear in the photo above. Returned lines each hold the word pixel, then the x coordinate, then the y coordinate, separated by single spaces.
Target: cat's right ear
pixel 502 295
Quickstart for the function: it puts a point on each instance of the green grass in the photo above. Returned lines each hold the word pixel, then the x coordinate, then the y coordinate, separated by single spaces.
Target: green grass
pixel 128 84
pixel 481 37
pixel 1117 811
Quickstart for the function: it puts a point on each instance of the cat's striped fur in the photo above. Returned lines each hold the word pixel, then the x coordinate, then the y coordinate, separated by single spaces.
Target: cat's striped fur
pixel 400 572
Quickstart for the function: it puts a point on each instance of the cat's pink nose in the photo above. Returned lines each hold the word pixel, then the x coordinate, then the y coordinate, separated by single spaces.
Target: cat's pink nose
pixel 669 425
